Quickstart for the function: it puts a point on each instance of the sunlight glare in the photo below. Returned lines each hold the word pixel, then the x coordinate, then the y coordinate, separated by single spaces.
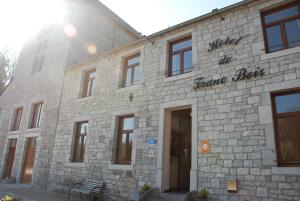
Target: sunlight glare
pixel 21 20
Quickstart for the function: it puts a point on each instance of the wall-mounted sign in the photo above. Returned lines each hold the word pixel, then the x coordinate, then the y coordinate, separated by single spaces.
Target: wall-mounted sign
pixel 204 147
pixel 152 141
pixel 218 43
pixel 241 74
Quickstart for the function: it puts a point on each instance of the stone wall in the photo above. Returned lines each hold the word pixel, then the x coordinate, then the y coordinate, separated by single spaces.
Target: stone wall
pixel 29 87
pixel 235 117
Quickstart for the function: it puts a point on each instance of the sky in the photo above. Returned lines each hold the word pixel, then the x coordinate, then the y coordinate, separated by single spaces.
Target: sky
pixel 152 16
pixel 19 23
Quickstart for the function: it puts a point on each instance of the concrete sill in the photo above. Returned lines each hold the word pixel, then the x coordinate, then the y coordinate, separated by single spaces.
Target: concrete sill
pixel 286 170
pixel 71 164
pixel 120 167
pixel 132 87
pixel 13 132
pixel 280 53
pixel 179 77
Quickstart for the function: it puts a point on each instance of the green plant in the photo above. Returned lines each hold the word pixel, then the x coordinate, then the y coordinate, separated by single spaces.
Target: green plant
pixel 145 188
pixel 203 194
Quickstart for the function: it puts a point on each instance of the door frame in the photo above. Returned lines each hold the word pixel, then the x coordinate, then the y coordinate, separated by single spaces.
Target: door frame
pixel 163 158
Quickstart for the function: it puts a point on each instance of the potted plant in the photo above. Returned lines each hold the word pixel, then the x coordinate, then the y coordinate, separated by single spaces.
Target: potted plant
pixel 145 188
pixel 202 195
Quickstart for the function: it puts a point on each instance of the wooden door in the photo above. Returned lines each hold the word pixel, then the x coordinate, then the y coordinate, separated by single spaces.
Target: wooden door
pixel 29 161
pixel 10 157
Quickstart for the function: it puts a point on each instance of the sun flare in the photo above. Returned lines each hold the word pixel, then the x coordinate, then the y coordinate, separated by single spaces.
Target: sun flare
pixel 20 20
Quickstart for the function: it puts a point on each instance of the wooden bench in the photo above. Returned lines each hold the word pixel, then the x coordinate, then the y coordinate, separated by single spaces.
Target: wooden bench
pixel 88 187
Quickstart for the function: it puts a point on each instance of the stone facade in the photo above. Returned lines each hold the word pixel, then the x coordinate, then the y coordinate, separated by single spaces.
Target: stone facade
pixel 29 87
pixel 235 117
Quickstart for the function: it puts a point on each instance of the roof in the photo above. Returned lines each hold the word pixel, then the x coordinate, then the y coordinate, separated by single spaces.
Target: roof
pixel 106 11
pixel 186 23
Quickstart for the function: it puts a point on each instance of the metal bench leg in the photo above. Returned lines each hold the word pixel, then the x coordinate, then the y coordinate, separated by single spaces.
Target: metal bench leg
pixel 80 195
pixel 69 194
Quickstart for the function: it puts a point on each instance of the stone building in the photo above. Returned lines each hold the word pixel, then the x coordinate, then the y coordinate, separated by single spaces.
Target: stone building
pixel 207 103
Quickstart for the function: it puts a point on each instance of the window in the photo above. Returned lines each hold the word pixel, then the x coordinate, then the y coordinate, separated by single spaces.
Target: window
pixel 124 139
pixel 131 71
pixel 286 112
pixel 89 83
pixel 36 115
pixel 282 27
pixel 180 56
pixel 40 53
pixel 15 124
pixel 79 141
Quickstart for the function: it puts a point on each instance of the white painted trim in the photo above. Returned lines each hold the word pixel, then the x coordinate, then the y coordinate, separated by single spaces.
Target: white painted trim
pixel 163 112
pixel 280 53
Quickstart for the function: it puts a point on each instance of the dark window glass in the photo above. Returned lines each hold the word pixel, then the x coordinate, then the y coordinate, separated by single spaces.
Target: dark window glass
pixel 124 139
pixel 288 103
pixel 36 115
pixel 282 27
pixel 286 108
pixel 131 71
pixel 292 30
pixel 40 54
pixel 274 38
pixel 79 142
pixel 180 60
pixel 89 83
pixel 16 119
pixel 282 14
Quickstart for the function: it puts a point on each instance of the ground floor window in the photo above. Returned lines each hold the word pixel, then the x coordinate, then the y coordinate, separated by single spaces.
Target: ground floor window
pixel 79 141
pixel 286 113
pixel 124 139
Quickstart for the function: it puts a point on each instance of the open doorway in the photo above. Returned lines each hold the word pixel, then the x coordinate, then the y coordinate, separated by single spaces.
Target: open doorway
pixel 180 150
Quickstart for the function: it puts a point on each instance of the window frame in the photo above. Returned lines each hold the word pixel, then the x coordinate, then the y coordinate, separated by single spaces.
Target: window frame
pixel 40 55
pixel 33 114
pixel 180 52
pixel 277 116
pixel 78 135
pixel 281 24
pixel 87 80
pixel 14 126
pixel 132 66
pixel 118 135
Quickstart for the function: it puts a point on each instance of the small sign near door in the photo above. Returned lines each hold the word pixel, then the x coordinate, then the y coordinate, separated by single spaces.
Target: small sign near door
pixel 204 147
pixel 152 144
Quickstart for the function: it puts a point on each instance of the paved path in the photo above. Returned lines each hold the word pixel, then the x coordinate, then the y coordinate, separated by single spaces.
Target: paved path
pixel 29 193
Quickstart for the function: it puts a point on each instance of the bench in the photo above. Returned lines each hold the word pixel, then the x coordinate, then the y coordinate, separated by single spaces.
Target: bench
pixel 88 187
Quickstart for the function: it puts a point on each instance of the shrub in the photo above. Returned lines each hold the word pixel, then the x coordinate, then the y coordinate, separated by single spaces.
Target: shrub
pixel 203 194
pixel 145 188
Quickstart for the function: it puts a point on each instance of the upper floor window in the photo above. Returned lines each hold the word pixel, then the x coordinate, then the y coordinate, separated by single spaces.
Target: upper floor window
pixel 131 71
pixel 180 56
pixel 286 113
pixel 35 115
pixel 15 124
pixel 40 54
pixel 282 27
pixel 124 139
pixel 79 142
pixel 89 81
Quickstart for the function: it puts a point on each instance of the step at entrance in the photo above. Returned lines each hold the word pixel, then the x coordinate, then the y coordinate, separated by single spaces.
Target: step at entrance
pixel 169 197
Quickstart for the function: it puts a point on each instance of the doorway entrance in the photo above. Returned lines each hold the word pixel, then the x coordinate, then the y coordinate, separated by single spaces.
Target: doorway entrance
pixel 180 150
pixel 11 150
pixel 28 161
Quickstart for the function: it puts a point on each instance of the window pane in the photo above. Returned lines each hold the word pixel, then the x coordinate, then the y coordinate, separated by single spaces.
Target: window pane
pixel 176 64
pixel 128 123
pixel 289 138
pixel 288 103
pixel 83 128
pixel 128 77
pixel 134 60
pixel 292 29
pixel 122 148
pixel 90 87
pixel 130 146
pixel 274 38
pixel 281 14
pixel 137 73
pixel 182 45
pixel 79 147
pixel 92 74
pixel 188 61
